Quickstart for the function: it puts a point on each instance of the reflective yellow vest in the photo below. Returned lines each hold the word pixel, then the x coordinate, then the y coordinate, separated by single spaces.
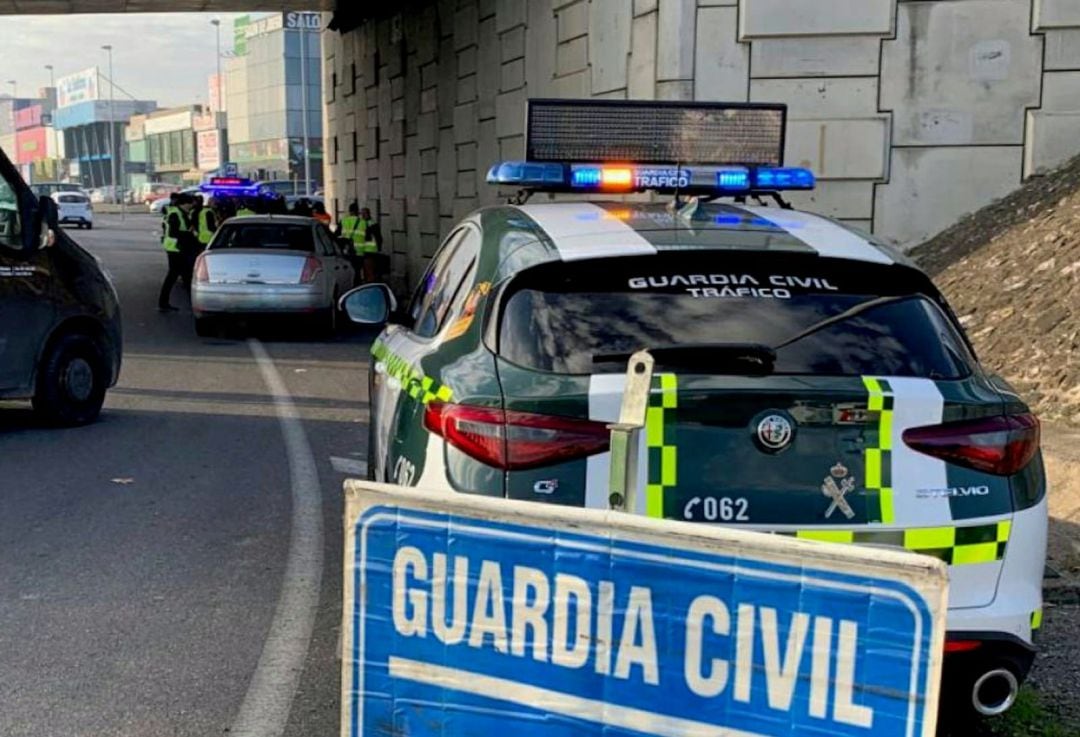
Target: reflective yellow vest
pixel 244 211
pixel 356 229
pixel 205 233
pixel 172 245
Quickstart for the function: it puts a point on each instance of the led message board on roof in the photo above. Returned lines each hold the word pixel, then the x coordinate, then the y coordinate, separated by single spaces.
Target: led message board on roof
pixel 655 132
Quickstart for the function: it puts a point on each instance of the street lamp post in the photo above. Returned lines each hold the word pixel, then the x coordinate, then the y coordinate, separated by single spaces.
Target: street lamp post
pixel 304 109
pixel 112 126
pixel 220 82
pixel 52 126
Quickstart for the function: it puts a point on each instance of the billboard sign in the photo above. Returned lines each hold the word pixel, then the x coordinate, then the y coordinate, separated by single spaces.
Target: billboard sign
pixel 208 147
pixel 468 616
pixel 79 87
pixel 303 21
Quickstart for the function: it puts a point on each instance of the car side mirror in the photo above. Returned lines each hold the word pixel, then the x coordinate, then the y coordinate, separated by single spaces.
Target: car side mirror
pixel 41 225
pixel 370 304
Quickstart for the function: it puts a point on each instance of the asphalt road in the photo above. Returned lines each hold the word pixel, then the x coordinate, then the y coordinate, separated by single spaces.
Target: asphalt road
pixel 142 559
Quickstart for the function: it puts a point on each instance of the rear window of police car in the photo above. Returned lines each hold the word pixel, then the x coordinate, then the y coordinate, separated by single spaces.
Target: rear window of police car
pixel 569 318
pixel 265 235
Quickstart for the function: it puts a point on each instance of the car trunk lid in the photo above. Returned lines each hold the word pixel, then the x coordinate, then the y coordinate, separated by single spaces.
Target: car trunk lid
pixel 252 266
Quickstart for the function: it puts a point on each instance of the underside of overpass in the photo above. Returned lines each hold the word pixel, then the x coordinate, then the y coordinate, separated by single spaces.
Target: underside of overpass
pixel 53 7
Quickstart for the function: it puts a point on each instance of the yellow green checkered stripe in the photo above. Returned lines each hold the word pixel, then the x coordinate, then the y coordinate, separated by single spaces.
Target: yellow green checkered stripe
pixel 1036 619
pixel 878 454
pixel 956 546
pixel 660 440
pixel 421 388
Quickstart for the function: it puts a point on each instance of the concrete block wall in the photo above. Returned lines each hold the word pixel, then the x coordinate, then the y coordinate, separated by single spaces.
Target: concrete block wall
pixel 912 113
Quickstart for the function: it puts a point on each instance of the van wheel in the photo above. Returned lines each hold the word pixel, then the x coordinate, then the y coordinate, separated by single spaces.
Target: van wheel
pixel 89 226
pixel 71 382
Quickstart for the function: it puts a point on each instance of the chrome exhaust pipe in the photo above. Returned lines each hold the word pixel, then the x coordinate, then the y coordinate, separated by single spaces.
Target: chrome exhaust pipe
pixel 995 692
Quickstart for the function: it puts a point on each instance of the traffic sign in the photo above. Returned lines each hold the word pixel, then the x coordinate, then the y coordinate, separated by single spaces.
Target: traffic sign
pixel 472 616
pixel 230 169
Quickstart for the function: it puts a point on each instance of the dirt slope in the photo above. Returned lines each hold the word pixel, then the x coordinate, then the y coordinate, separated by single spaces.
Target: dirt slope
pixel 1012 272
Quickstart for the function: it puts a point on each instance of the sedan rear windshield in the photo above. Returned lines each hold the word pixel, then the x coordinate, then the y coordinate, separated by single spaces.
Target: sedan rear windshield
pixel 584 318
pixel 265 235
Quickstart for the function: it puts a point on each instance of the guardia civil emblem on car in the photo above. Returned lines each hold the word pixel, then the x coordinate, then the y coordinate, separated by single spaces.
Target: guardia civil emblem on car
pixel 774 432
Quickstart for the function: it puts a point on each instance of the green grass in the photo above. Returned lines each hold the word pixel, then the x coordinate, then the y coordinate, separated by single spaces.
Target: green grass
pixel 1029 717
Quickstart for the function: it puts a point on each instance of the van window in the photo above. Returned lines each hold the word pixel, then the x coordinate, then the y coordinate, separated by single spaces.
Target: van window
pixel 10 227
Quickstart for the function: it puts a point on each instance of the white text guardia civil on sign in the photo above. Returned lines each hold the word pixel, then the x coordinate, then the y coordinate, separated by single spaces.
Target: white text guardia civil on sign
pixel 510 609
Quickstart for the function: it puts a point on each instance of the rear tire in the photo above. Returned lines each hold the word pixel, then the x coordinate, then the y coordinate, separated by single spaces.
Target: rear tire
pixel 206 327
pixel 327 321
pixel 89 226
pixel 71 382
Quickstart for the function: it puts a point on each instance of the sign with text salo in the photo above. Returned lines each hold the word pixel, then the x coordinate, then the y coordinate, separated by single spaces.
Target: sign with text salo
pixel 471 616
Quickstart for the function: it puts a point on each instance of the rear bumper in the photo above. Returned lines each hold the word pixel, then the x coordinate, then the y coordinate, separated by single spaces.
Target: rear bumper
pixel 257 298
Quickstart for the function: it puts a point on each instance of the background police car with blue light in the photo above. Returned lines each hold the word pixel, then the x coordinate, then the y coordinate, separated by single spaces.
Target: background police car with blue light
pixel 811 381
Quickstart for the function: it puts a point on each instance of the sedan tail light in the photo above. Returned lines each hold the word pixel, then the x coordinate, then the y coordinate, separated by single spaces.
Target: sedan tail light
pixel 515 441
pixel 312 267
pixel 202 272
pixel 997 445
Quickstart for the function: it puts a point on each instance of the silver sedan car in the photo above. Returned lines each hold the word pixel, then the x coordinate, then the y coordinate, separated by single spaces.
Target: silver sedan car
pixel 270 264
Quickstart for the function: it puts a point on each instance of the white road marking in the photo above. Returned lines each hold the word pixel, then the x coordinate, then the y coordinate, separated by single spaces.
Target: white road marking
pixel 349 466
pixel 265 709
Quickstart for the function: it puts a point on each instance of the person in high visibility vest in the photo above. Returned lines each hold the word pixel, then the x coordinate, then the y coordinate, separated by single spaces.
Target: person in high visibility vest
pixel 244 209
pixel 206 224
pixel 366 238
pixel 177 234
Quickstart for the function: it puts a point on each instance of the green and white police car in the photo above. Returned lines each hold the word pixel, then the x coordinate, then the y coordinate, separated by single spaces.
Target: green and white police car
pixel 810 380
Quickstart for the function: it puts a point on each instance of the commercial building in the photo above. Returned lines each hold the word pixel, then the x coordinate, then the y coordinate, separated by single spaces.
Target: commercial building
pixel 172 155
pixel 93 128
pixel 911 113
pixel 27 135
pixel 277 59
pixel 39 151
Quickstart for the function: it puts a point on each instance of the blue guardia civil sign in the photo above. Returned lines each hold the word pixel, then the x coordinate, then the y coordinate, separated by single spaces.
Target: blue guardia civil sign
pixel 467 616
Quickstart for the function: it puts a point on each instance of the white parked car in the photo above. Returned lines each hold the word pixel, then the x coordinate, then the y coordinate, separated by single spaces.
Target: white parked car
pixel 74 207
pixel 270 264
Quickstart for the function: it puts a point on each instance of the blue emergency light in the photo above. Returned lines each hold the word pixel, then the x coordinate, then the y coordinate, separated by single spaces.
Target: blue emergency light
pixel 616 146
pixel 717 181
pixel 233 187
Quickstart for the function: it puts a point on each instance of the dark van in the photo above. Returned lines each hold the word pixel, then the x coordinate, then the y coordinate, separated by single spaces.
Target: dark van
pixel 60 338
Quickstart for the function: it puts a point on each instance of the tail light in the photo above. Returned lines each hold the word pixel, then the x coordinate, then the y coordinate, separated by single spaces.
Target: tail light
pixel 998 445
pixel 961 646
pixel 312 267
pixel 515 441
pixel 202 272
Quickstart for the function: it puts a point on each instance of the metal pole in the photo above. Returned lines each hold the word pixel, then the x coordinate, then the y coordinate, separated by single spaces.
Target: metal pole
pixel 623 479
pixel 304 108
pixel 112 127
pixel 221 83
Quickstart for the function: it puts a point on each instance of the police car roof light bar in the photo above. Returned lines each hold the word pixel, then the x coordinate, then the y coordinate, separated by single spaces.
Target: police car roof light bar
pixel 707 181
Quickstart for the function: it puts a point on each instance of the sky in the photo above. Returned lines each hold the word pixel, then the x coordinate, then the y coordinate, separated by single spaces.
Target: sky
pixel 156 56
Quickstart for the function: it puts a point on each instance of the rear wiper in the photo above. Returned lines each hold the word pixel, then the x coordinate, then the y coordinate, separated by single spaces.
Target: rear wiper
pixel 847 314
pixel 718 358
